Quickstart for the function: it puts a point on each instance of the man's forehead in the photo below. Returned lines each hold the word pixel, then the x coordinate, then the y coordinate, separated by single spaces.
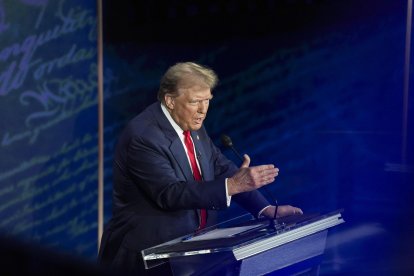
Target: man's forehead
pixel 196 91
pixel 192 81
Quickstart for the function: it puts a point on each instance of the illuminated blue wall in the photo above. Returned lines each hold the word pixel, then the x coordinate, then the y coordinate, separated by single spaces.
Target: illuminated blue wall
pixel 48 122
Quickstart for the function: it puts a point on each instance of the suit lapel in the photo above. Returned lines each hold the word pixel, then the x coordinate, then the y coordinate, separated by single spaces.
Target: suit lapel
pixel 176 146
pixel 202 156
pixel 180 156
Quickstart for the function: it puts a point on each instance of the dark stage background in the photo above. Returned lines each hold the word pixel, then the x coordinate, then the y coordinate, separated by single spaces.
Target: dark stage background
pixel 315 87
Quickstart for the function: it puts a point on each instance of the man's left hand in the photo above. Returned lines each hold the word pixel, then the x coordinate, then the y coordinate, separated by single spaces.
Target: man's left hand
pixel 282 211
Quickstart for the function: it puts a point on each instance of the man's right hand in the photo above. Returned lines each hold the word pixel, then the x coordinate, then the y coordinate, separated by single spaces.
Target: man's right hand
pixel 251 178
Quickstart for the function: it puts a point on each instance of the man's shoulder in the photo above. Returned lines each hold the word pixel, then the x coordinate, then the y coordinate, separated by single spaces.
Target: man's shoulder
pixel 148 113
pixel 147 116
pixel 141 124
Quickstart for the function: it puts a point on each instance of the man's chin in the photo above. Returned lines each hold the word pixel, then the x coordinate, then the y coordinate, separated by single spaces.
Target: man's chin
pixel 196 127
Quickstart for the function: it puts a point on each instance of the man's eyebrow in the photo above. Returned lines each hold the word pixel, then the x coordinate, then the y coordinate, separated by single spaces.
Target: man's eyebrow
pixel 201 99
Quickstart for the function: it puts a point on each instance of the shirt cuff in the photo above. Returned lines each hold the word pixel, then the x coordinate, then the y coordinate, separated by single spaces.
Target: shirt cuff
pixel 227 195
pixel 261 211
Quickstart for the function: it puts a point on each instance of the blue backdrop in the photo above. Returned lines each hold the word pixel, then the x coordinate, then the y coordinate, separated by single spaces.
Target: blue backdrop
pixel 315 87
pixel 48 122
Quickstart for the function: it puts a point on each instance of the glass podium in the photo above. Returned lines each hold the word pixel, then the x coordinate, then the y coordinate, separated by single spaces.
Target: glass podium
pixel 246 246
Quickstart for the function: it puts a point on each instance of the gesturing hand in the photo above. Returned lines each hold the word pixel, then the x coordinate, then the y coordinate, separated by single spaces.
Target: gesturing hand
pixel 251 178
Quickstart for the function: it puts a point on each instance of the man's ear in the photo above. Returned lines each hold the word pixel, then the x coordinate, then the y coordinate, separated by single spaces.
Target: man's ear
pixel 169 101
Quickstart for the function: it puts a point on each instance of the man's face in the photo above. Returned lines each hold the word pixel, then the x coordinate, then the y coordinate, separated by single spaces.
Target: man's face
pixel 189 109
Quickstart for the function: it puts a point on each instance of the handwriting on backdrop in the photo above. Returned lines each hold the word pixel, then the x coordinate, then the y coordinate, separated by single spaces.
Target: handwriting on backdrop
pixel 50 99
pixel 62 185
pixel 48 74
pixel 75 154
pixel 20 55
pixel 60 99
pixel 53 191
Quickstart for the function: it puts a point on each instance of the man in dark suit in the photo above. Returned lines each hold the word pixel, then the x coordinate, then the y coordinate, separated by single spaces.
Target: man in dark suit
pixel 161 191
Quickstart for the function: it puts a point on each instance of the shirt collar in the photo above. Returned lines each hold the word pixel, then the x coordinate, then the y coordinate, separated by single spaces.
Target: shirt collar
pixel 176 127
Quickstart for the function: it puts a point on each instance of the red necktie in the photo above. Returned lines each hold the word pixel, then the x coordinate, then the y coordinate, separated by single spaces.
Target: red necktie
pixel 196 173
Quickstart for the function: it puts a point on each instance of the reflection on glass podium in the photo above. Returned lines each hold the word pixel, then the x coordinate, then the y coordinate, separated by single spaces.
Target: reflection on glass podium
pixel 245 246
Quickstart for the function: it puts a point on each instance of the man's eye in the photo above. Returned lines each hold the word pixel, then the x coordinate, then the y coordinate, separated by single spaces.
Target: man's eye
pixel 199 102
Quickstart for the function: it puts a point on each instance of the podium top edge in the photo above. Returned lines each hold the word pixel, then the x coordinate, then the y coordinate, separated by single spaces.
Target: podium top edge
pixel 182 246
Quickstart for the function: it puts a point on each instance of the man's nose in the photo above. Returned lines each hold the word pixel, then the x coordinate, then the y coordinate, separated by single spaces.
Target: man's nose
pixel 203 107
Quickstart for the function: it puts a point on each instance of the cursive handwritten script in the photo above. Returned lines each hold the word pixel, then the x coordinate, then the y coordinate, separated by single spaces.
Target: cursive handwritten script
pixel 20 54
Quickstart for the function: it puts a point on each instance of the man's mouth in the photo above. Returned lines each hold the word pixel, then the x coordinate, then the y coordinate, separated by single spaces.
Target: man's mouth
pixel 199 120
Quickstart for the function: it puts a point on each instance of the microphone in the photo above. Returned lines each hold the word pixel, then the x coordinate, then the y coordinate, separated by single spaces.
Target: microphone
pixel 228 143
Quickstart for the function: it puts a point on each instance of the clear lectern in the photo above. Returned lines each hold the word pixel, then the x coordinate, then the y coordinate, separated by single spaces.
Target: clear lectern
pixel 245 246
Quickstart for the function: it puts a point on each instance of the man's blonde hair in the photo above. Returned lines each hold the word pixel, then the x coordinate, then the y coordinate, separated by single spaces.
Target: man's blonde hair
pixel 185 74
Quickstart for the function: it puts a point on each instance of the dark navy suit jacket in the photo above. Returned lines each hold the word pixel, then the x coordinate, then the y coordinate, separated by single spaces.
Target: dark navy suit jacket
pixel 155 197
